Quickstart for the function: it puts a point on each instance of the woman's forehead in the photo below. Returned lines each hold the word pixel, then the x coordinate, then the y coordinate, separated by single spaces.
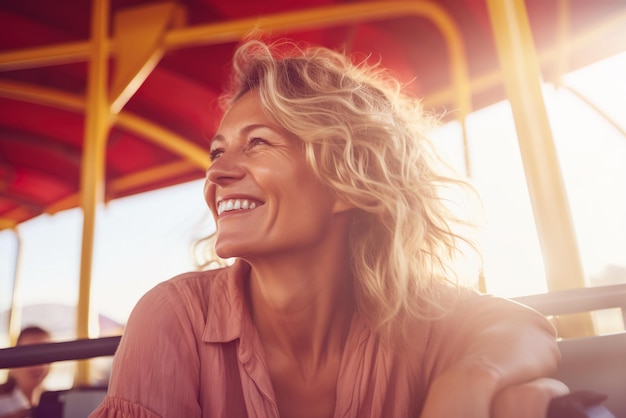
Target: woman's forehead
pixel 247 108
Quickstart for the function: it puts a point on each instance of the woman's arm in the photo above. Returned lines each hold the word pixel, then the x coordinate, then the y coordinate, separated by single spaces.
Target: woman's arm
pixel 484 347
pixel 527 399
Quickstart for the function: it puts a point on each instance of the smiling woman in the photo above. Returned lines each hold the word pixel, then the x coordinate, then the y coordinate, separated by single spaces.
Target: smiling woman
pixel 343 298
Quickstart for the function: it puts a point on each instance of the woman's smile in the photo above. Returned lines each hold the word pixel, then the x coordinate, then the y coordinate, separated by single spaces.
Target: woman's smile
pixel 236 205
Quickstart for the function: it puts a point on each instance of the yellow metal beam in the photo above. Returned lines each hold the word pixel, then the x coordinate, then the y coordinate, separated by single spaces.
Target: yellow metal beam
pixel 67 202
pixel 151 175
pixel 45 56
pixel 42 95
pixel 522 79
pixel 323 17
pixel 487 81
pixel 7 223
pixel 303 20
pixel 15 312
pixel 125 120
pixel 608 119
pixel 140 46
pixel 79 51
pixel 93 169
pixel 18 213
pixel 121 185
pixel 344 14
pixel 563 25
pixel 164 138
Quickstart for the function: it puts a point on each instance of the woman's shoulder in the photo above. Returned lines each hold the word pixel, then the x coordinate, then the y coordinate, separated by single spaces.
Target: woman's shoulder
pixel 194 280
pixel 189 295
pixel 465 302
pixel 198 284
pixel 453 310
pixel 465 312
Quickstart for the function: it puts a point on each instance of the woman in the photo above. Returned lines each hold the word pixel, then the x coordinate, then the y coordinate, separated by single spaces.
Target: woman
pixel 342 298
pixel 20 393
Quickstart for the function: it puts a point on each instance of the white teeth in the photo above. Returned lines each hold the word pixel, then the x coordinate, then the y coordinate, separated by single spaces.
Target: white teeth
pixel 234 204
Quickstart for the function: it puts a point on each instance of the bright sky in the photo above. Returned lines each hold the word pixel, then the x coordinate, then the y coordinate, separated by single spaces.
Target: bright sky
pixel 143 240
pixel 140 241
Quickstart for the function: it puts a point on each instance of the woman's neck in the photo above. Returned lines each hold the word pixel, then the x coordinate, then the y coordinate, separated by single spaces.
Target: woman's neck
pixel 302 304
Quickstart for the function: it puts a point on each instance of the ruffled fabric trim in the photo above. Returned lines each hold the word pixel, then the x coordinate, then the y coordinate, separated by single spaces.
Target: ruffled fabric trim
pixel 113 407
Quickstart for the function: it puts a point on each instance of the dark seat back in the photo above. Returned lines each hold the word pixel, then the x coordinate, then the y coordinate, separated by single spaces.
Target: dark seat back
pixel 70 403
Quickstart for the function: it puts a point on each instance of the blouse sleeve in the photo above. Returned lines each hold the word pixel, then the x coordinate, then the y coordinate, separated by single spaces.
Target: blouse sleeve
pixel 155 370
pixel 112 407
pixel 514 340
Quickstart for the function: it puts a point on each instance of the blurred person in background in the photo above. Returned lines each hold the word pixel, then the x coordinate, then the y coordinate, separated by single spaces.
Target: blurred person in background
pixel 20 393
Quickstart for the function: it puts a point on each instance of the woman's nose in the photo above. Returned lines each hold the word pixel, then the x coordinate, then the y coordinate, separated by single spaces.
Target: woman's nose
pixel 224 169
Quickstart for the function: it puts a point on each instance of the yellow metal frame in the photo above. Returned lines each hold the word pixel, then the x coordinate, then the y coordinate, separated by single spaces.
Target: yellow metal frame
pixel 98 121
pixel 15 313
pixel 595 108
pixel 522 80
pixel 214 33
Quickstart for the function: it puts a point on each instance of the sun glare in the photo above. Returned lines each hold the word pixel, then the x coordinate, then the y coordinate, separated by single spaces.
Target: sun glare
pixel 592 158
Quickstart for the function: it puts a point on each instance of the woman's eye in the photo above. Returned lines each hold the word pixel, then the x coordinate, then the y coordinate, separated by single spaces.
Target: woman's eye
pixel 256 141
pixel 216 153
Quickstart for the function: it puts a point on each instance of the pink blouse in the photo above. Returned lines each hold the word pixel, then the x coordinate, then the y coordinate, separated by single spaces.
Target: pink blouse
pixel 190 349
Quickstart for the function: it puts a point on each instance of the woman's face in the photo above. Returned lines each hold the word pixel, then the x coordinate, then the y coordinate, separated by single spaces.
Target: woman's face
pixel 264 196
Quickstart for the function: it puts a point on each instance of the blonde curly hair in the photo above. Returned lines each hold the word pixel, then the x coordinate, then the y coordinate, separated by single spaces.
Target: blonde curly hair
pixel 365 139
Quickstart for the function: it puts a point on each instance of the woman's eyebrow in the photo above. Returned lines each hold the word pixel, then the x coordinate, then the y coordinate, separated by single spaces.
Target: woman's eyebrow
pixel 217 138
pixel 245 131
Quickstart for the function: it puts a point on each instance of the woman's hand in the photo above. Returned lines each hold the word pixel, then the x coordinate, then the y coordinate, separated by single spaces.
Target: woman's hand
pixel 464 391
pixel 527 400
pixel 471 391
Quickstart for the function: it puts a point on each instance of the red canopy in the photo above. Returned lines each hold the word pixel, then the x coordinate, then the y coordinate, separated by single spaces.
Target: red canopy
pixel 159 136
